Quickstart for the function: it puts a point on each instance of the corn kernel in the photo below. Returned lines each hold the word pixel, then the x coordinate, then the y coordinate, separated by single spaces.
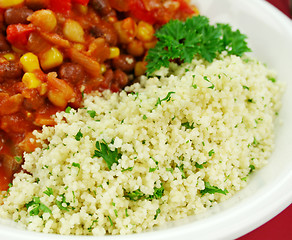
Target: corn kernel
pixel 9 56
pixel 82 8
pixel 44 19
pixel 145 31
pixel 140 68
pixel 136 48
pixel 10 3
pixel 51 58
pixel 114 52
pixel 43 89
pixel 79 46
pixel 30 62
pixel 102 68
pixel 73 31
pixel 30 80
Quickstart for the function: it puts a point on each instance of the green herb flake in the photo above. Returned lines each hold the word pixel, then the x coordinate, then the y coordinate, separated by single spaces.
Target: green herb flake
pixel 111 222
pixel 77 165
pixel 206 79
pixel 79 135
pixel 37 207
pixel 167 98
pixel 135 195
pixel 68 109
pixel 91 113
pixel 91 226
pixel 144 117
pixel 200 166
pixel 252 168
pixel 108 155
pixel 63 205
pixel 127 169
pixel 49 191
pixel 187 125
pixel 245 87
pixel 157 213
pixel 272 79
pixel 18 159
pixel 212 189
pixel 126 212
pixel 211 152
pixel 181 168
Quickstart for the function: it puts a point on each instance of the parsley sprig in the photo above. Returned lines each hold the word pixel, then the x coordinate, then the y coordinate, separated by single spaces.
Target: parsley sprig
pixel 181 41
pixel 108 155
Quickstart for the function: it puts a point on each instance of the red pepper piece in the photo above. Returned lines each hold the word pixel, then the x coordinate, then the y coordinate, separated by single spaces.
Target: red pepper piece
pixel 60 6
pixel 139 11
pixel 185 7
pixel 82 2
pixel 17 34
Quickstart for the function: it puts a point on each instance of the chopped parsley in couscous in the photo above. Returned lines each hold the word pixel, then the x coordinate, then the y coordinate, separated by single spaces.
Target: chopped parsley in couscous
pixel 163 149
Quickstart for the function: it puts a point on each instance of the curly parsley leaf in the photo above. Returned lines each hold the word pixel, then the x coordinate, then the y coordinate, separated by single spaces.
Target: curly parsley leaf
pixel 108 155
pixel 180 41
pixel 212 189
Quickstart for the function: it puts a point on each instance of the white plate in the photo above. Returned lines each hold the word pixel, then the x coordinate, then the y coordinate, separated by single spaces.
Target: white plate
pixel 270 189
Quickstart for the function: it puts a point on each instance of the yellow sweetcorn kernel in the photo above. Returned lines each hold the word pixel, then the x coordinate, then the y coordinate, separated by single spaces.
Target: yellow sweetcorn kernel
pixel 44 19
pixel 51 58
pixel 81 8
pixel 102 68
pixel 114 52
pixel 30 80
pixel 73 31
pixel 10 3
pixel 9 56
pixel 145 31
pixel 29 62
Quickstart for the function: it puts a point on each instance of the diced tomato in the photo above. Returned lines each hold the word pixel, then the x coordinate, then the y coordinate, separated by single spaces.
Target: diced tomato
pixel 185 7
pixel 60 6
pixel 82 2
pixel 17 34
pixel 139 11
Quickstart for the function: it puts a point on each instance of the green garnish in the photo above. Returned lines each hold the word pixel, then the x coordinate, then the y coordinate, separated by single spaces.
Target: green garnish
pixel 212 189
pixel 211 152
pixel 37 206
pixel 167 98
pixel 135 195
pixel 68 109
pixel 127 169
pixel 201 166
pixel 187 125
pixel 18 158
pixel 109 156
pixel 138 194
pixel 49 191
pixel 157 212
pixel 181 168
pixel 111 222
pixel 79 135
pixel 91 113
pixel 63 205
pixel 76 165
pixel 252 168
pixel 181 41
pixel 206 79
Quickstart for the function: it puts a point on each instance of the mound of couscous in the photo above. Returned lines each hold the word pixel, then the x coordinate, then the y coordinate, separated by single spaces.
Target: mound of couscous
pixel 163 149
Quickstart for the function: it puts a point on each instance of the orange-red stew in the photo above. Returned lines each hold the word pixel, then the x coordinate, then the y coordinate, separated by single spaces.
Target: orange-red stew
pixel 53 51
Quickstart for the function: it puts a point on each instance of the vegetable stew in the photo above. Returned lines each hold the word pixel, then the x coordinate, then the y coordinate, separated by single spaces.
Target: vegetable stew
pixel 52 52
